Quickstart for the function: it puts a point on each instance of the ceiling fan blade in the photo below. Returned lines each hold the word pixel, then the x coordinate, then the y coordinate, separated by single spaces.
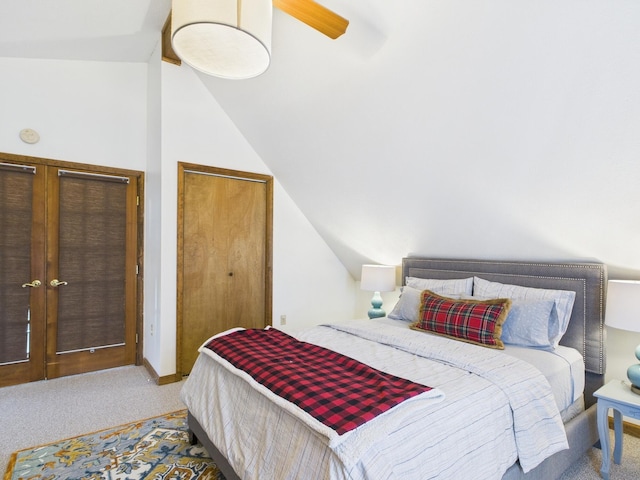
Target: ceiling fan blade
pixel 314 15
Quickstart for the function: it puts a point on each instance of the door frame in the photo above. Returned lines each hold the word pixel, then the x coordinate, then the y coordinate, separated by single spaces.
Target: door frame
pixel 139 284
pixel 233 174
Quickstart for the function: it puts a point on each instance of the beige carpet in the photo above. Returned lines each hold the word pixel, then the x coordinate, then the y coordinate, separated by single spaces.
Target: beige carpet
pixel 589 467
pixel 43 412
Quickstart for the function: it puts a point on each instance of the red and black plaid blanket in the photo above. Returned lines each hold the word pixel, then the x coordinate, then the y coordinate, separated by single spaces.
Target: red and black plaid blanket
pixel 338 391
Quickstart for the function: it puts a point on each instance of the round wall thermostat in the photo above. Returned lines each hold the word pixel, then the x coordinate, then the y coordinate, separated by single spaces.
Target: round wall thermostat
pixel 28 135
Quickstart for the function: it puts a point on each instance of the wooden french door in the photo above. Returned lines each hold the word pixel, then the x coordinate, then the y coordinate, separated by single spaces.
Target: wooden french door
pixel 224 255
pixel 68 271
pixel 22 266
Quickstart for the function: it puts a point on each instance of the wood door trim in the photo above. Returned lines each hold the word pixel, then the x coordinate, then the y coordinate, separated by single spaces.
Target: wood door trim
pixel 12 158
pixel 223 172
pixel 131 282
pixel 183 168
pixel 38 255
pixel 139 253
pixel 140 275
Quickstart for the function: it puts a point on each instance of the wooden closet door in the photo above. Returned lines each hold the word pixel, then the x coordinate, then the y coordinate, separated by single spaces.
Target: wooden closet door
pixel 91 273
pixel 22 292
pixel 224 243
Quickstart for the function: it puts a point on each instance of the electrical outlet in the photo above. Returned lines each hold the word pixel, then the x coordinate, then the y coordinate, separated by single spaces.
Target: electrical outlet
pixel 283 319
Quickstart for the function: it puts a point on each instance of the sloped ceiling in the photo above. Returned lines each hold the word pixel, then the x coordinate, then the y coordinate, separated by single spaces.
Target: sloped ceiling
pixel 452 128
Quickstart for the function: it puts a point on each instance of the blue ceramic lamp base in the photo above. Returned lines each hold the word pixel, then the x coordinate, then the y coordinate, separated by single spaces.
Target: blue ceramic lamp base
pixel 375 311
pixel 633 372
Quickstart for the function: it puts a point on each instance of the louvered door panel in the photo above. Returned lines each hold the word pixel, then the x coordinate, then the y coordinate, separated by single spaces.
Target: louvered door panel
pixel 91 311
pixel 68 268
pixel 21 258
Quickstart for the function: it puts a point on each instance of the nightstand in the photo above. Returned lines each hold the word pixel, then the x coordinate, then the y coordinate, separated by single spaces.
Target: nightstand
pixel 616 395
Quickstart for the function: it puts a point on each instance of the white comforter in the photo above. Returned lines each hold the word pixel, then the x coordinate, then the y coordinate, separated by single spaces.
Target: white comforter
pixel 496 409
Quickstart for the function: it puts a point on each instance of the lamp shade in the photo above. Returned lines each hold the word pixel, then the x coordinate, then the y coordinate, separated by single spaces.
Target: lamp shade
pixel 225 38
pixel 623 305
pixel 378 278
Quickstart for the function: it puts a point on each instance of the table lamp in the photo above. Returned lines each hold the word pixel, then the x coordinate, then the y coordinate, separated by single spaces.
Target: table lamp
pixel 623 312
pixel 378 278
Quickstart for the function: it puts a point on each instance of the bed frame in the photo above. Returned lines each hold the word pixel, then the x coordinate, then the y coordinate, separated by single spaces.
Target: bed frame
pixel 586 334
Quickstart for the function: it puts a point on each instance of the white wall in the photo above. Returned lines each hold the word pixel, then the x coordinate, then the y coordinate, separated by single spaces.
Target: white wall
pixel 310 285
pixel 88 112
pixel 124 116
pixel 153 202
pixel 500 129
pixel 147 118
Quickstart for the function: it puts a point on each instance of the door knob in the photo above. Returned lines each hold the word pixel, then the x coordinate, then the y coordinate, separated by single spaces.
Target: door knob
pixel 34 284
pixel 56 283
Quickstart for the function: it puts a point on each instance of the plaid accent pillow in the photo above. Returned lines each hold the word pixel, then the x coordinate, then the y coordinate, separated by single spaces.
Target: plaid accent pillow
pixel 473 321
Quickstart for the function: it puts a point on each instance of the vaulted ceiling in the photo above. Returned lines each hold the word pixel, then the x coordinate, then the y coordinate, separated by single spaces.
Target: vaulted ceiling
pixel 494 129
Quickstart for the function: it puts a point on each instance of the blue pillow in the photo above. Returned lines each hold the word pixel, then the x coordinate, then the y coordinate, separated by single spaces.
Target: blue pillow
pixel 560 313
pixel 528 324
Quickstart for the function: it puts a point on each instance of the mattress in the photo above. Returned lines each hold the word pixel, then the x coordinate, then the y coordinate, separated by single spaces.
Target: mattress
pixel 472 429
pixel 562 367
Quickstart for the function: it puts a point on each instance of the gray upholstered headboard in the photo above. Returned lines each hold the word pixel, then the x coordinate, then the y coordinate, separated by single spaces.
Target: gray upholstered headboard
pixel 586 331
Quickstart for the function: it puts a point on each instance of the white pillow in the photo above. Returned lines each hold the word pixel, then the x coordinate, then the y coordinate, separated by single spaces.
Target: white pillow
pixel 458 286
pixel 560 312
pixel 408 306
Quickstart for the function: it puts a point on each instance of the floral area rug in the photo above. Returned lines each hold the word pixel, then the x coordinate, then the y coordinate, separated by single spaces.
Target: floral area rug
pixel 156 448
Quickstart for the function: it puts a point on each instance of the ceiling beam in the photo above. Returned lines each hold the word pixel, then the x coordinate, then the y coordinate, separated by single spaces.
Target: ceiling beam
pixel 168 54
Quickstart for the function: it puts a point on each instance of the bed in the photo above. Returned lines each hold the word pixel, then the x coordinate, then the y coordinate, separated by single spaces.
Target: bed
pixel 217 401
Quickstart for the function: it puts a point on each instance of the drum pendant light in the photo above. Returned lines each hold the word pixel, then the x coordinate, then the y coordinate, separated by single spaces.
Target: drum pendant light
pixel 225 38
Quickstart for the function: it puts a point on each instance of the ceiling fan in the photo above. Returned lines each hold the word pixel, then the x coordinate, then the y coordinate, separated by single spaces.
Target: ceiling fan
pixel 314 15
pixel 307 11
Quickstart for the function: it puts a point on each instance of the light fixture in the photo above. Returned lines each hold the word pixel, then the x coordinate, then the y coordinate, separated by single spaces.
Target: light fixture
pixel 225 38
pixel 623 312
pixel 378 278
